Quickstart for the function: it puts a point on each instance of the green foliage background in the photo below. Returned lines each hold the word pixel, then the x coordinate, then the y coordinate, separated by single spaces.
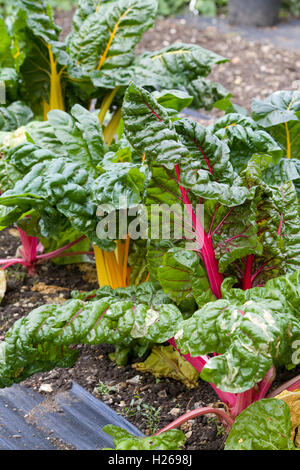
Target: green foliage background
pixel 165 7
pixel 214 7
pixel 6 6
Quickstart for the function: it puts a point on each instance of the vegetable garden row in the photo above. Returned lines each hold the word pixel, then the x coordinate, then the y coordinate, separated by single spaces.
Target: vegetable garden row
pixel 86 124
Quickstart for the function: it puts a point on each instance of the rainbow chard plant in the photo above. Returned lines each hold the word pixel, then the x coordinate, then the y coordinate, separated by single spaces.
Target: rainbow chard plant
pixel 91 67
pixel 225 293
pixel 97 59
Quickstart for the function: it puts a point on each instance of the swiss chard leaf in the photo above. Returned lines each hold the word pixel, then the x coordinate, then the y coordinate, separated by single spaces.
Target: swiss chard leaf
pixel 244 138
pixel 181 276
pixel 105 39
pixel 264 425
pixel 249 330
pixel 119 317
pixel 280 115
pixel 15 115
pixel 280 107
pixel 81 135
pixel 123 440
pixel 150 131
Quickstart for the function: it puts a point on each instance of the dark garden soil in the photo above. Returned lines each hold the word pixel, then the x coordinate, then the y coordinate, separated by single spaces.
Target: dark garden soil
pixel 256 70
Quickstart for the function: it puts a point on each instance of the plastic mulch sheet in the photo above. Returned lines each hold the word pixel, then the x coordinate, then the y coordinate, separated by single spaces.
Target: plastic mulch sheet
pixel 73 419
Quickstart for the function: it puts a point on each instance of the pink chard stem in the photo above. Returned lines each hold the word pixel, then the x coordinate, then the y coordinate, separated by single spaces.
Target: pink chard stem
pixel 205 244
pixel 30 247
pixel 224 417
pixel 291 385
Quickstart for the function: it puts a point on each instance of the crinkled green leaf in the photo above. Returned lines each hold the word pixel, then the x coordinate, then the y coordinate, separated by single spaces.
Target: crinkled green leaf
pixel 181 66
pixel 15 115
pixel 182 60
pixel 123 440
pixel 233 231
pixel 123 181
pixel 244 138
pixel 278 108
pixel 40 19
pixel 149 128
pixel 105 38
pixel 150 131
pixel 173 99
pixel 264 425
pixel 228 107
pixel 42 134
pixel 205 92
pixel 249 330
pixel 285 170
pixel 56 185
pixel 41 340
pixel 8 175
pixel 204 147
pixel 81 135
pixel 280 114
pixel 182 276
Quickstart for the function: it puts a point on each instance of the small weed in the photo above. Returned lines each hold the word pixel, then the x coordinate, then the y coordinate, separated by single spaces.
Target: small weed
pixel 17 274
pixel 103 389
pixel 149 412
pixel 220 428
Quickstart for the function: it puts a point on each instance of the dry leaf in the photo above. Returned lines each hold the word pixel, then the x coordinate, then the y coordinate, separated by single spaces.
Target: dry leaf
pixel 292 399
pixel 44 289
pixel 165 361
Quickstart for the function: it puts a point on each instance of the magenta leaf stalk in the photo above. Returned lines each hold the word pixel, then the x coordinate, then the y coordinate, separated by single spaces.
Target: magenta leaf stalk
pixel 247 281
pixel 223 416
pixel 291 385
pixel 30 247
pixel 205 244
pixel 198 363
pixel 265 384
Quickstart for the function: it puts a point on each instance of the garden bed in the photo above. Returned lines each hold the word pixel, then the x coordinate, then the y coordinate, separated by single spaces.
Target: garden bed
pixel 145 401
pixel 53 284
pixel 256 69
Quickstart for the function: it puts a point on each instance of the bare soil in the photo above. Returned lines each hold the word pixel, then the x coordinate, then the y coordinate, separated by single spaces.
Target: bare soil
pixel 256 68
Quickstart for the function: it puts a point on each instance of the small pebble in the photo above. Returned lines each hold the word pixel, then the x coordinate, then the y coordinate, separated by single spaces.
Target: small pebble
pixel 175 411
pixel 134 381
pixel 47 388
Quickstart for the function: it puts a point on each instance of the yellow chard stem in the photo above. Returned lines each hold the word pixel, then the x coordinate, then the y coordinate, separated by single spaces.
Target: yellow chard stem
pixel 112 127
pixel 112 266
pixel 102 274
pixel 107 101
pixel 55 96
pixel 98 6
pixel 113 270
pixel 46 109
